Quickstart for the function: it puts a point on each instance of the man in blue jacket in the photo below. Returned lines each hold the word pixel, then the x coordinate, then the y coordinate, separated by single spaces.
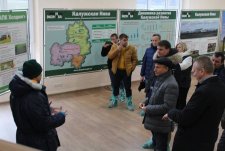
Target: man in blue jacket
pixel 35 120
pixel 147 62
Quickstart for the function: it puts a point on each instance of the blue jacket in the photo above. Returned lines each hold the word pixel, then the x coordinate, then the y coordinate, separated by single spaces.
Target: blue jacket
pixel 32 115
pixel 147 62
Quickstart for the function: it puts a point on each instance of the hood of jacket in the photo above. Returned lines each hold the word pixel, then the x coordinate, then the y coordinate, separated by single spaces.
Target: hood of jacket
pixel 20 85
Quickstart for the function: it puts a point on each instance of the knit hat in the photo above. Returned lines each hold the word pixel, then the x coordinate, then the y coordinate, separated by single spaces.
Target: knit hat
pixel 31 69
pixel 164 61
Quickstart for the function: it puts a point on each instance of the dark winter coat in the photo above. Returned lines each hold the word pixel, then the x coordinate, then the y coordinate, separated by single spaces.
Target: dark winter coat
pixel 198 122
pixel 32 115
pixel 220 72
pixel 104 53
pixel 163 98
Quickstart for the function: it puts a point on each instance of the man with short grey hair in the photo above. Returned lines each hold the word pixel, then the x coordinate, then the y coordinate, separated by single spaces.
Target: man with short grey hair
pixel 198 122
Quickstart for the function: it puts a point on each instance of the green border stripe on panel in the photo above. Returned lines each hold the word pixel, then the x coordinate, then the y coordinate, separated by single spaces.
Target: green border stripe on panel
pixel 4 89
pixel 199 14
pixel 72 70
pixel 9 17
pixel 147 15
pixel 71 15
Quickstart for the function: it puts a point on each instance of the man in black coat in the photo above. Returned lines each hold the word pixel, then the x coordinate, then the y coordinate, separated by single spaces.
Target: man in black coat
pixel 198 122
pixel 31 110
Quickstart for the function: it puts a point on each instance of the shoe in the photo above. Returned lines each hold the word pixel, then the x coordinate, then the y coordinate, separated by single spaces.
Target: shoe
pixel 129 103
pixel 122 95
pixel 113 102
pixel 148 144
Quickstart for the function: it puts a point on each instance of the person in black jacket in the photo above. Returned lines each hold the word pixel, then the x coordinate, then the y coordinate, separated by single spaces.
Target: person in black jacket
pixel 221 144
pixel 31 110
pixel 105 50
pixel 198 122
pixel 218 63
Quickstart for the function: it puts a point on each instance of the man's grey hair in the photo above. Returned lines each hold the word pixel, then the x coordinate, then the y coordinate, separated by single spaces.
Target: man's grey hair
pixel 205 63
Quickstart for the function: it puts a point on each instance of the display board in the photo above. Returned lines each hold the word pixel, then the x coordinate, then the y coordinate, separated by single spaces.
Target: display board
pixel 74 39
pixel 141 25
pixel 13 45
pixel 199 30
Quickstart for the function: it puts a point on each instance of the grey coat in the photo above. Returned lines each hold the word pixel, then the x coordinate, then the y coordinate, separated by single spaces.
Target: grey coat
pixel 164 97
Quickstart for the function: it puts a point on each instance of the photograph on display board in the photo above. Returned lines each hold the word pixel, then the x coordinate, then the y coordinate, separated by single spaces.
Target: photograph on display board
pixel 5 38
pixel 199 29
pixel 20 48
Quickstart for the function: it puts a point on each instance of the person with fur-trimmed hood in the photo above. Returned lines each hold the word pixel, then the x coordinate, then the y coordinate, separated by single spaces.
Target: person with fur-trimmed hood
pixel 35 120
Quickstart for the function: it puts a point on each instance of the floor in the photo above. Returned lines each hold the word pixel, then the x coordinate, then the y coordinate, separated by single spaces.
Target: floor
pixel 90 125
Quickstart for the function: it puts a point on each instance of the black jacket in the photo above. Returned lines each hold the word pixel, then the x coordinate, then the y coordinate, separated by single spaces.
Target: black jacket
pixel 198 122
pixel 220 72
pixel 105 51
pixel 32 115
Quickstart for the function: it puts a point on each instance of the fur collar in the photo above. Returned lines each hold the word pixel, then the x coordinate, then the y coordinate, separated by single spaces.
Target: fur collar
pixel 36 86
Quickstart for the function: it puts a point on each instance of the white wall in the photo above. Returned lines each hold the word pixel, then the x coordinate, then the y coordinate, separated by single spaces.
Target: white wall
pixel 203 4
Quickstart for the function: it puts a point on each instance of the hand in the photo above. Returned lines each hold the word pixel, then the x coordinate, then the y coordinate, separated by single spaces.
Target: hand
pixel 141 105
pixel 142 78
pixel 165 117
pixel 120 48
pixel 144 108
pixel 55 110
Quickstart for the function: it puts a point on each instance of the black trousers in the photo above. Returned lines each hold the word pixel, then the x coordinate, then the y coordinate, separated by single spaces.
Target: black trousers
pixel 181 101
pixel 160 141
pixel 221 144
pixel 121 75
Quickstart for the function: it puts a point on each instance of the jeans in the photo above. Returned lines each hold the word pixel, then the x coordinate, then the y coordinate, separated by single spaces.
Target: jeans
pixel 112 79
pixel 121 76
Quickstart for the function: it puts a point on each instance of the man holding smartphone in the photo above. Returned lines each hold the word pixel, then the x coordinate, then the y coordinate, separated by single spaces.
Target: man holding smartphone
pixel 124 60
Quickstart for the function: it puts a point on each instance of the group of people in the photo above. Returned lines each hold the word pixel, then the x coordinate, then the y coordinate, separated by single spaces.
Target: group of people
pixel 166 73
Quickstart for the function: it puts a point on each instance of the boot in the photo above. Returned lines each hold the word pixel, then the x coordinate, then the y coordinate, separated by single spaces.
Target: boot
pixel 129 103
pixel 122 95
pixel 148 144
pixel 113 102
